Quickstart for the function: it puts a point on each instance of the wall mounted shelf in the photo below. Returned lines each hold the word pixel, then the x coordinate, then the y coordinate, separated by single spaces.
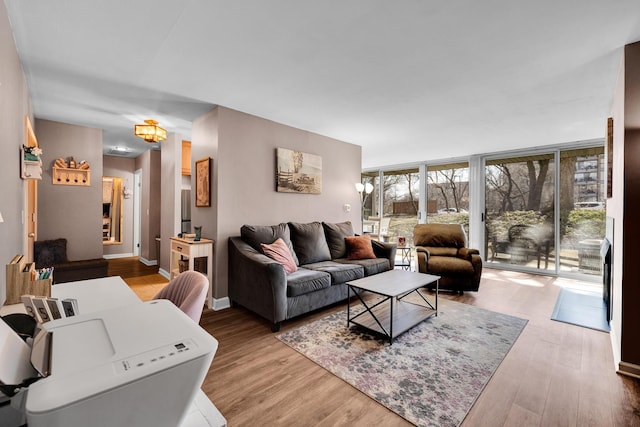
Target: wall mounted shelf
pixel 31 169
pixel 67 176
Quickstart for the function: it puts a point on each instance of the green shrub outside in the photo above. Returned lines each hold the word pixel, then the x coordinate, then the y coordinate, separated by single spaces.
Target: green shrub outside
pixel 584 224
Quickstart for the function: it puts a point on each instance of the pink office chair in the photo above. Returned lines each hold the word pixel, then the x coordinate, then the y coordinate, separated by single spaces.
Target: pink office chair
pixel 187 291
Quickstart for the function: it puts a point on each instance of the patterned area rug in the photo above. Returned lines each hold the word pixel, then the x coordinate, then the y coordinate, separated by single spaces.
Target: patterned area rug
pixel 431 375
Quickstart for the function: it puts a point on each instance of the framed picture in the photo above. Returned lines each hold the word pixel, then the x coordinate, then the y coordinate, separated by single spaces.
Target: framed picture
pixel 298 172
pixel 203 182
pixel 610 157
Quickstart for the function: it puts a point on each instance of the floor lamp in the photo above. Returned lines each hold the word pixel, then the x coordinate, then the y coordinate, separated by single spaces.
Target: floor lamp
pixel 364 190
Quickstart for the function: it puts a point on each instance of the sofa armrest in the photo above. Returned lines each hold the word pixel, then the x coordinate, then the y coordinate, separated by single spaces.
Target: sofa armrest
pixel 256 281
pixel 385 250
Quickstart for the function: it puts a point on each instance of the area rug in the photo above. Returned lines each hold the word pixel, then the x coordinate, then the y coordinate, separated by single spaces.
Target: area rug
pixel 581 308
pixel 431 375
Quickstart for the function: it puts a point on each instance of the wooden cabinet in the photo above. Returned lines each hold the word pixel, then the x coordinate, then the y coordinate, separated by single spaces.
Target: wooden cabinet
pixel 186 158
pixel 189 250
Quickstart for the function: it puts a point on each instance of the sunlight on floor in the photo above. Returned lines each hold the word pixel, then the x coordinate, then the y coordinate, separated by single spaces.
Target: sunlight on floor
pixel 146 287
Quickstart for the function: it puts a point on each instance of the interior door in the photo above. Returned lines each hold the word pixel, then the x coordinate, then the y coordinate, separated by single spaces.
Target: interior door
pixel 31 208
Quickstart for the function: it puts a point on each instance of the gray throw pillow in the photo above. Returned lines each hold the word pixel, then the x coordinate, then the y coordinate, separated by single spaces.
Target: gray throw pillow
pixel 309 242
pixel 335 234
pixel 254 235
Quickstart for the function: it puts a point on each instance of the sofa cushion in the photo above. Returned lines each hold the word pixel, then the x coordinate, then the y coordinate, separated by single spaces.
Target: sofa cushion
pixel 254 235
pixel 371 266
pixel 340 273
pixel 449 266
pixel 304 281
pixel 309 242
pixel 359 247
pixel 335 234
pixel 50 252
pixel 279 252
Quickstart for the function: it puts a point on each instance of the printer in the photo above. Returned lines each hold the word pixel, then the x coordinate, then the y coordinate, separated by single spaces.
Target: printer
pixel 135 365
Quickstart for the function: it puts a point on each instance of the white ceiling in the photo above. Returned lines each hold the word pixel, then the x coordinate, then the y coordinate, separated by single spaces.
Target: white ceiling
pixel 408 80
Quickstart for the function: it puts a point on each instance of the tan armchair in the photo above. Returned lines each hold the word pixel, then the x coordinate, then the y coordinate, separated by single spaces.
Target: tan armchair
pixel 441 250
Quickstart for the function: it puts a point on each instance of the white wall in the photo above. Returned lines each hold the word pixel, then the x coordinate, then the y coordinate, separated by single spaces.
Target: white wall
pixel 170 183
pixel 14 105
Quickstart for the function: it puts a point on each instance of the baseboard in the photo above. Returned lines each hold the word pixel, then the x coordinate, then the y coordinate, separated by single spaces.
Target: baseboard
pixel 617 357
pixel 220 304
pixel 148 262
pixel 112 256
pixel 164 273
pixel 629 369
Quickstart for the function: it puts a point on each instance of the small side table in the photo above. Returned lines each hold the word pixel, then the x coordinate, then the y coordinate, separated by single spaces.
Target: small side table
pixel 405 257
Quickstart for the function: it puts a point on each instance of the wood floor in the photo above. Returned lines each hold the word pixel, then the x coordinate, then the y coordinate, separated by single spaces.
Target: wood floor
pixel 556 374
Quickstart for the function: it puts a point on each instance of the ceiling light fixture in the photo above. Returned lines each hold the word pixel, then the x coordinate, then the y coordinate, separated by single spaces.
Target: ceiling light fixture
pixel 150 131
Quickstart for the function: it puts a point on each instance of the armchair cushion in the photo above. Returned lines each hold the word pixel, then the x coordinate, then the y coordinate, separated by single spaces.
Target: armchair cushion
pixel 359 247
pixel 254 235
pixel 335 234
pixel 450 266
pixel 309 242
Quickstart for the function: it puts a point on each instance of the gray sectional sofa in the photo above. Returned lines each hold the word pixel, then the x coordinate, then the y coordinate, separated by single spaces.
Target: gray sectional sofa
pixel 261 285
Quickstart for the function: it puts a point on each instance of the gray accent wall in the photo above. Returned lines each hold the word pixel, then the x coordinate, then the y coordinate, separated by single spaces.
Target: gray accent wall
pixel 122 167
pixel 170 182
pixel 149 163
pixel 70 211
pixel 243 148
pixel 14 105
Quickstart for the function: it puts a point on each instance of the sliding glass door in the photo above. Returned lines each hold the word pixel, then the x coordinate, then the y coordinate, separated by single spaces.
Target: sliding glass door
pixel 582 210
pixel 519 206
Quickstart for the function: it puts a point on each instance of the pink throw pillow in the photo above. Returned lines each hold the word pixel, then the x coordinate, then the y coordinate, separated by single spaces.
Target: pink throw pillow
pixel 279 252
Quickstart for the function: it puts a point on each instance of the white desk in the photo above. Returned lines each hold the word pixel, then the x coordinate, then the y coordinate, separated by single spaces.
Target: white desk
pixel 95 295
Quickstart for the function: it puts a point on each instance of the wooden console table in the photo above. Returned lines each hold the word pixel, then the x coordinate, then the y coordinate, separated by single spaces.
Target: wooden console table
pixel 192 249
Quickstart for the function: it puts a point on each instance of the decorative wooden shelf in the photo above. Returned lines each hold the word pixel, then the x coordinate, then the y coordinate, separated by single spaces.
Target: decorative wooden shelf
pixel 67 176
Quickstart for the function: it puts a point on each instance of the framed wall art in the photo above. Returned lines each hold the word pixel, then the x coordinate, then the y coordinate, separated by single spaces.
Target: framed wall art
pixel 203 182
pixel 298 172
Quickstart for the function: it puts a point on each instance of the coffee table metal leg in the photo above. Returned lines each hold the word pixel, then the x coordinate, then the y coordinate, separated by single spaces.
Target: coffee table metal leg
pixel 348 304
pixel 391 301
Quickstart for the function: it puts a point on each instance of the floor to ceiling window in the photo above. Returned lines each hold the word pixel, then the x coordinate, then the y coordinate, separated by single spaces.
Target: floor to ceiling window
pixel 400 197
pixel 582 210
pixel 519 206
pixel 542 211
pixel 371 201
pixel 448 194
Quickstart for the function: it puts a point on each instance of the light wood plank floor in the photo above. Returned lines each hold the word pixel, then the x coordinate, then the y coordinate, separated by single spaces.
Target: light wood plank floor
pixel 556 374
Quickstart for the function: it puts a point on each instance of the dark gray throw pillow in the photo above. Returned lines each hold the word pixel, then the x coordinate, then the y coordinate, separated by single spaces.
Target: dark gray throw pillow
pixel 254 235
pixel 335 234
pixel 50 252
pixel 309 242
